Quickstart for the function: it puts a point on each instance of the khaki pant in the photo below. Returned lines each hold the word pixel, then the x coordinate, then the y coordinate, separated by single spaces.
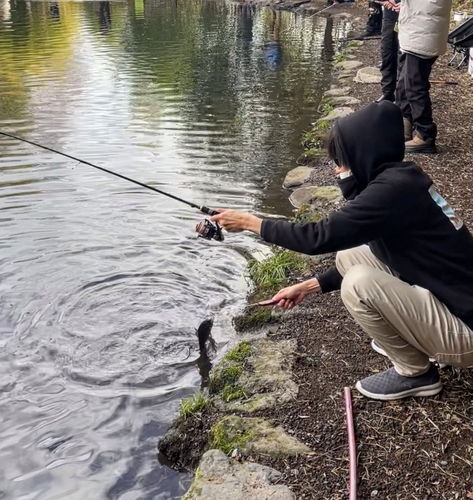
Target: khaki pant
pixel 408 322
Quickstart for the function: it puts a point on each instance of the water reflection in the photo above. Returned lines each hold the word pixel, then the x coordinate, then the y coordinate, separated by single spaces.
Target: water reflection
pixel 102 285
pixel 105 17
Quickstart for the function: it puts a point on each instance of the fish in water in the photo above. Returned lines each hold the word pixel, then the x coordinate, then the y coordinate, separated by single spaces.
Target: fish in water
pixel 204 364
pixel 204 334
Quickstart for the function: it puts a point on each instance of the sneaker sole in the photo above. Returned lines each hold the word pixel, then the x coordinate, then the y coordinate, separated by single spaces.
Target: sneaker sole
pixel 378 349
pixel 428 390
pixel 422 149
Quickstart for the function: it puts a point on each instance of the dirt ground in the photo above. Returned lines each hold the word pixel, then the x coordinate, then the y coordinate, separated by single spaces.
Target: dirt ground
pixel 413 449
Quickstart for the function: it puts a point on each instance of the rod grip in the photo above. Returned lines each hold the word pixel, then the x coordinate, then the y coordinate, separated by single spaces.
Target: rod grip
pixel 208 211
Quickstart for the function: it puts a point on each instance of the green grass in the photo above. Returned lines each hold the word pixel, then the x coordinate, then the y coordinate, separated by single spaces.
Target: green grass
pixel 233 392
pixel 220 440
pixel 223 376
pixel 309 155
pixel 240 352
pixel 340 57
pixel 194 405
pixel 275 270
pixel 326 108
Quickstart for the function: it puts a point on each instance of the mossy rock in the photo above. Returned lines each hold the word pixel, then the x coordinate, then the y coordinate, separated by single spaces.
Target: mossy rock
pixel 225 376
pixel 337 113
pixel 254 436
pixel 253 319
pixel 266 379
pixel 224 379
pixel 337 92
pixel 315 195
pixel 307 213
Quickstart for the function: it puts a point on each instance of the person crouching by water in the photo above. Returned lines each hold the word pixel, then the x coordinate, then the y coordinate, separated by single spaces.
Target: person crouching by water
pixel 404 263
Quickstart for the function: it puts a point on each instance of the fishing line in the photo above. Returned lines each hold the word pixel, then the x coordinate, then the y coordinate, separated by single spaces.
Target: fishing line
pixel 206 229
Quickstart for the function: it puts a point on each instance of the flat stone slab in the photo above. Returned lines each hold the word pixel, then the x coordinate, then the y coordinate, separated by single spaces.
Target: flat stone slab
pixel 368 75
pixel 219 477
pixel 337 92
pixel 348 65
pixel 337 113
pixel 296 177
pixel 345 73
pixel 315 195
pixel 344 100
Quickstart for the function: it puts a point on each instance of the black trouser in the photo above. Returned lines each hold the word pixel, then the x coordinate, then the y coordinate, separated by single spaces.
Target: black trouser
pixel 375 19
pixel 412 93
pixel 389 54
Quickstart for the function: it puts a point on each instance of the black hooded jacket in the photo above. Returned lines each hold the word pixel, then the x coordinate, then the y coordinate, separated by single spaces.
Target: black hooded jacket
pixel 397 212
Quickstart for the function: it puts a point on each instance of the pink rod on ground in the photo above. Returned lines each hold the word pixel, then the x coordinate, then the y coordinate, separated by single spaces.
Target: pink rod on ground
pixel 351 443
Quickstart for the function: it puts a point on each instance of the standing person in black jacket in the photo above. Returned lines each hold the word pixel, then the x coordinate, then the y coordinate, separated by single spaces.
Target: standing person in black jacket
pixel 375 20
pixel 404 261
pixel 389 50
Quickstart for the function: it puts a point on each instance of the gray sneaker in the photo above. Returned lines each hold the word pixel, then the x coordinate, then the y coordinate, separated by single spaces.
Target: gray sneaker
pixel 389 385
pixel 376 347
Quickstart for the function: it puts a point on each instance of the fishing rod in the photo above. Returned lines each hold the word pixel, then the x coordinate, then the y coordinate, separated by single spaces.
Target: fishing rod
pixel 205 229
pixel 323 10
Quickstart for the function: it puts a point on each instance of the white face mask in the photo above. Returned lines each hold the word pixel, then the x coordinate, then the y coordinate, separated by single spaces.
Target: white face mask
pixel 345 174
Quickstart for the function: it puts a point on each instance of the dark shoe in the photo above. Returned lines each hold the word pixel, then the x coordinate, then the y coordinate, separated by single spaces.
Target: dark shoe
pixel 368 34
pixel 408 129
pixel 381 351
pixel 389 385
pixel 419 145
pixel 387 97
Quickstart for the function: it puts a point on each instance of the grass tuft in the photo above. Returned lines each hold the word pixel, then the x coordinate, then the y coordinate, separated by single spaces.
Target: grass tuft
pixel 275 270
pixel 340 57
pixel 194 405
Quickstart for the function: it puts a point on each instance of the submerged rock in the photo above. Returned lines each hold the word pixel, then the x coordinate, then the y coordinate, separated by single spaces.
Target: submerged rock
pixel 314 194
pixel 368 75
pixel 337 113
pixel 219 476
pixel 296 177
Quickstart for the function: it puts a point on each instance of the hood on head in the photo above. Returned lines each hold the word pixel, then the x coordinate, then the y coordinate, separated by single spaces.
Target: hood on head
pixel 372 137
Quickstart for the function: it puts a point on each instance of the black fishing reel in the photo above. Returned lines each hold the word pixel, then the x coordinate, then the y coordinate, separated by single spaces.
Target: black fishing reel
pixel 209 230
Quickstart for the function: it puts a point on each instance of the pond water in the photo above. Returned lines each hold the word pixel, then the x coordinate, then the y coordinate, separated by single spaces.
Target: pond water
pixel 102 283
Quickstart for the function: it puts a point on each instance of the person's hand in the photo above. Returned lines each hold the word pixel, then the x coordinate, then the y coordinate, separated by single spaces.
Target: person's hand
pixel 392 6
pixel 235 221
pixel 292 296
